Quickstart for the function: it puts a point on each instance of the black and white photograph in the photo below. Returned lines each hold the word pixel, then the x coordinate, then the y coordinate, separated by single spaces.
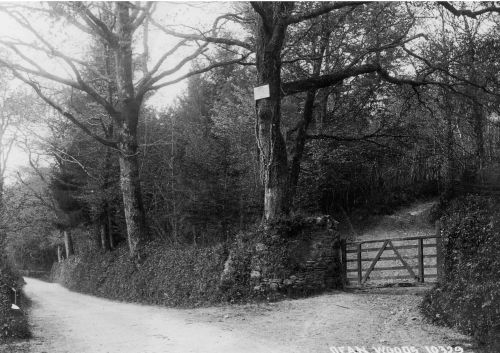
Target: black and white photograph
pixel 250 177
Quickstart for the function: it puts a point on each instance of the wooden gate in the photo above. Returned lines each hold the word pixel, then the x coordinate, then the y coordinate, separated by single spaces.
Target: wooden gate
pixel 410 259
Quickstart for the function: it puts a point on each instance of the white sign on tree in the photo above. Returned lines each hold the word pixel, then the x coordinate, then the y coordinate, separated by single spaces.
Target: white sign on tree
pixel 261 92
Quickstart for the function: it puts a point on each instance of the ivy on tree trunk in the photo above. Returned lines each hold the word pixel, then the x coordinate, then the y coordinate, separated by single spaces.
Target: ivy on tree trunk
pixel 271 30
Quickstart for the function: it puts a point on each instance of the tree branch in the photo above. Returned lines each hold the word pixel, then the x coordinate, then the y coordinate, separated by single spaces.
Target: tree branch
pixel 210 39
pixel 64 113
pixel 325 8
pixel 79 84
pixel 156 67
pixel 14 44
pixel 299 86
pixel 447 72
pixel 355 138
pixel 258 7
pixel 97 25
pixel 146 85
pixel 468 13
pixel 399 42
pixel 322 81
pixel 70 18
pixel 200 71
pixel 144 12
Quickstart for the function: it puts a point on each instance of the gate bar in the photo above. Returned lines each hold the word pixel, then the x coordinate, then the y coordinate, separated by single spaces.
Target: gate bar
pixel 421 260
pixel 360 264
pixel 375 260
pixel 396 252
pixel 393 239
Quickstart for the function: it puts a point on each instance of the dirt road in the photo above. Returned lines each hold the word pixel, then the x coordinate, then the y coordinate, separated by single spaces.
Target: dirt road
pixel 67 322
pixel 380 318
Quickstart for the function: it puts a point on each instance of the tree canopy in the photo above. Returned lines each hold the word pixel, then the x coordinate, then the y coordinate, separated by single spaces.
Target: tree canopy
pixel 369 104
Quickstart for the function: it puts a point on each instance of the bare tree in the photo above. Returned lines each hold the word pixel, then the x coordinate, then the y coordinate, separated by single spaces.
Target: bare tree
pixel 116 25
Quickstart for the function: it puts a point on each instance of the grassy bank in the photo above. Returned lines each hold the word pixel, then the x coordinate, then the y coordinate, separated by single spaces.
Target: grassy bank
pixel 469 296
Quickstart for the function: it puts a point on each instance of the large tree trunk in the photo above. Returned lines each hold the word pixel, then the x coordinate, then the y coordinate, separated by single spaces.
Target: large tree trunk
pixel 280 181
pixel 273 157
pixel 274 168
pixel 132 199
pixel 104 222
pixel 126 129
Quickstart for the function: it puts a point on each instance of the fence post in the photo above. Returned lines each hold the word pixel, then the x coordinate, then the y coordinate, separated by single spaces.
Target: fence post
pixel 343 249
pixel 421 260
pixel 14 295
pixel 360 265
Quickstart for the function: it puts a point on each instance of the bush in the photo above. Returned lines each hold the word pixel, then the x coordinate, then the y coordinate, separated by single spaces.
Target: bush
pixel 180 276
pixel 13 323
pixel 469 295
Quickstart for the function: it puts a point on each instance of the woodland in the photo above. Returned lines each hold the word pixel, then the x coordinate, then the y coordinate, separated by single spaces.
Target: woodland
pixel 371 105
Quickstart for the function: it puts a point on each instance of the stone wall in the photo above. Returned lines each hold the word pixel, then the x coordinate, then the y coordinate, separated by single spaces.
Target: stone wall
pixel 308 262
pixel 295 257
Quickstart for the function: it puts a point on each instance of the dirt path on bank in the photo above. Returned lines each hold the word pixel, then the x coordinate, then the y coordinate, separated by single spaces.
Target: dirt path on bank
pixel 408 221
pixel 67 322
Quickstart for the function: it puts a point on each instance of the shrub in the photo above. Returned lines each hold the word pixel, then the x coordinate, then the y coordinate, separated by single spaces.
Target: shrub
pixel 469 295
pixel 13 324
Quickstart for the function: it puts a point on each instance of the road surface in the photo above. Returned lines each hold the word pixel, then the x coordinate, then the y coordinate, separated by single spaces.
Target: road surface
pixel 65 322
pixel 68 322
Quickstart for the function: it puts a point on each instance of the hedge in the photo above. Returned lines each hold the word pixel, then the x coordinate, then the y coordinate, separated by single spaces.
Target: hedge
pixel 469 296
pixel 171 276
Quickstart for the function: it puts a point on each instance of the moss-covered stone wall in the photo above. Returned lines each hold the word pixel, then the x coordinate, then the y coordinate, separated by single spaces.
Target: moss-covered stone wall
pixel 294 257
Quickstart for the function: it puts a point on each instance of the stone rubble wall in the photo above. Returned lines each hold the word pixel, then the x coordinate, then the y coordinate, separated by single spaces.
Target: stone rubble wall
pixel 310 262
